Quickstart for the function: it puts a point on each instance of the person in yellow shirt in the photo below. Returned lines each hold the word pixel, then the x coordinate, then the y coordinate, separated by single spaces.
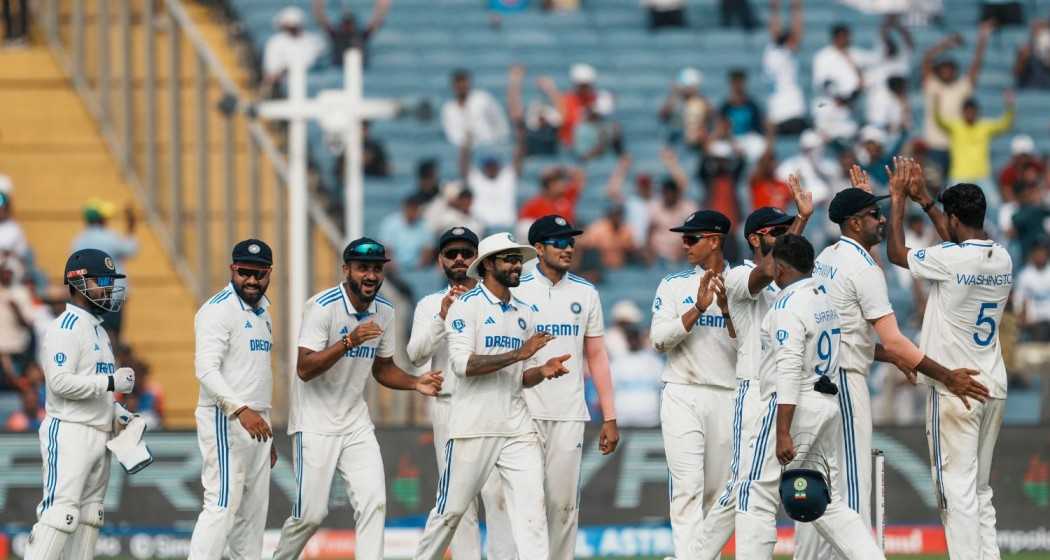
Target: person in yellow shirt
pixel 969 139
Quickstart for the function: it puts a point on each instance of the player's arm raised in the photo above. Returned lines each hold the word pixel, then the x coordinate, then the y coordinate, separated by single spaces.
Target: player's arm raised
pixel 903 174
pixel 803 203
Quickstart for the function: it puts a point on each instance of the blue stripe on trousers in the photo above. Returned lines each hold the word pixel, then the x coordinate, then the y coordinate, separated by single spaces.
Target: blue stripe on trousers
pixel 222 445
pixel 734 467
pixel 297 510
pixel 758 459
pixel 943 501
pixel 52 463
pixel 443 496
pixel 850 442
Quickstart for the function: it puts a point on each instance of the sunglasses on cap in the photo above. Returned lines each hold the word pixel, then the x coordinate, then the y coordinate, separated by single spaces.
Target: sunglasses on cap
pixel 691 239
pixel 452 254
pixel 512 258
pixel 245 271
pixel 560 242
pixel 775 231
pixel 369 250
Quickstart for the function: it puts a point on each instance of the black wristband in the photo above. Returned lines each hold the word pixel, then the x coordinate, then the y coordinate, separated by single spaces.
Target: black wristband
pixel 109 384
pixel 926 207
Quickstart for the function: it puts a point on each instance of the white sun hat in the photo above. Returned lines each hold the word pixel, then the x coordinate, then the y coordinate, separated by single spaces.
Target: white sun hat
pixel 495 244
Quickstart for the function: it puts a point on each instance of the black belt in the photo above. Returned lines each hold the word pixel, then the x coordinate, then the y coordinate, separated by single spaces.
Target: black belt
pixel 825 385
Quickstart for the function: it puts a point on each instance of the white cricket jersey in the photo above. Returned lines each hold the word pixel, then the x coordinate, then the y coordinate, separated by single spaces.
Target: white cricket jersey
pixel 233 351
pixel 857 287
pixel 969 285
pixel 800 340
pixel 747 311
pixel 427 345
pixel 705 355
pixel 570 310
pixel 490 404
pixel 334 402
pixel 78 359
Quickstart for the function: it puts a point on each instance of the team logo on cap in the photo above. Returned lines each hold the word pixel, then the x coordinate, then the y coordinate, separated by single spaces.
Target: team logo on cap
pixel 800 488
pixel 560 221
pixel 254 249
pixel 576 307
pixel 458 231
pixel 109 263
pixel 521 323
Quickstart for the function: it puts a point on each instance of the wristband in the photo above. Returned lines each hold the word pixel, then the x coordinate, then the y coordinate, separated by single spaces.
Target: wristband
pixel 926 207
pixel 346 342
pixel 109 384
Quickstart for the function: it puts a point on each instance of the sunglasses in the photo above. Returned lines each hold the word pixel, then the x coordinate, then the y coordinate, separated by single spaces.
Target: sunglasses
pixel 691 240
pixel 369 250
pixel 560 242
pixel 874 213
pixel 775 231
pixel 105 281
pixel 452 254
pixel 250 272
pixel 510 259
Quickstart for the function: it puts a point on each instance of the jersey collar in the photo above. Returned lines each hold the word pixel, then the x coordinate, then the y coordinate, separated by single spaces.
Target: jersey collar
pixel 856 245
pixel 538 274
pixel 350 309
pixel 512 305
pixel 264 303
pixel 83 313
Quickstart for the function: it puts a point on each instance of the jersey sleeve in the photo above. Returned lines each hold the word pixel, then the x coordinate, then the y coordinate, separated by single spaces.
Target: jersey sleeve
pixel 667 330
pixel 930 264
pixel 459 326
pixel 871 293
pixel 428 331
pixel 388 340
pixel 212 343
pixel 789 351
pixel 62 350
pixel 313 334
pixel 736 284
pixel 595 317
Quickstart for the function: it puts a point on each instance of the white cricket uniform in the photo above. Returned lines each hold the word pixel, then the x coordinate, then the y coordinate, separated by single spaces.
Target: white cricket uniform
pixel 857 287
pixel 747 311
pixel 233 365
pixel 490 430
pixel 428 349
pixel 570 311
pixel 331 428
pixel 800 340
pixel 73 436
pixel 696 408
pixel 969 285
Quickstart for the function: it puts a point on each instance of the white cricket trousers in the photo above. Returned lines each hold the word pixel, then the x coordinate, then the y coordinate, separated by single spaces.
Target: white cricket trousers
pixel 697 426
pixel 469 462
pixel 76 471
pixel 562 442
pixel 235 473
pixel 962 445
pixel 466 542
pixel 720 522
pixel 854 458
pixel 816 431
pixel 315 459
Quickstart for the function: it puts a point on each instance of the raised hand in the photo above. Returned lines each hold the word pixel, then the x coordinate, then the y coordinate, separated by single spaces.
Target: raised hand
pixel 803 198
pixel 450 297
pixel 533 345
pixel 721 295
pixel 962 384
pixel 704 294
pixel 859 178
pixel 900 177
pixel 429 383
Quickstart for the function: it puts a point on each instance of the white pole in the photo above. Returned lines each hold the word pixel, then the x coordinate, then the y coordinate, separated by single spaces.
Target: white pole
pixel 298 200
pixel 354 197
pixel 880 497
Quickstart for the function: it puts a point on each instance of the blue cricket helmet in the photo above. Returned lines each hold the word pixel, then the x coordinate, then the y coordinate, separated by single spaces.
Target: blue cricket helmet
pixel 804 493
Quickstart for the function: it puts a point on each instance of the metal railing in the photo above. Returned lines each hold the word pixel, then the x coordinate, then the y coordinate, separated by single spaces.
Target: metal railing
pixel 205 177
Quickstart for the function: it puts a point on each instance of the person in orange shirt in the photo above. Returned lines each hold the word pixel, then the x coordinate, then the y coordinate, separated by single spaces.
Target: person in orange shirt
pixel 573 104
pixel 611 238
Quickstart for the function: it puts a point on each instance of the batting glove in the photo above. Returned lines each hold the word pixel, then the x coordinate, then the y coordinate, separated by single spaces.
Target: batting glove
pixel 124 380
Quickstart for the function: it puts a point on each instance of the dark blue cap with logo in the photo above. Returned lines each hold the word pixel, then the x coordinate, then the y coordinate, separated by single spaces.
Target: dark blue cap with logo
pixel 764 217
pixel 804 493
pixel 704 221
pixel 551 226
pixel 253 251
pixel 365 249
pixel 90 263
pixel 850 201
pixel 458 233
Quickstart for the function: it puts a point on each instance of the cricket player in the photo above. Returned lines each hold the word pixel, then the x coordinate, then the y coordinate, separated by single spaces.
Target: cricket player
pixel 751 291
pixel 492 343
pixel 857 287
pixel 346 336
pixel 692 326
pixel 80 378
pixel 800 345
pixel 232 361
pixel 428 348
pixel 970 279
pixel 568 307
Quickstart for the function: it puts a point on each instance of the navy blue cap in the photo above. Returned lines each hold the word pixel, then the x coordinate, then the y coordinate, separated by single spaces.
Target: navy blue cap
pixel 365 249
pixel 850 201
pixel 704 221
pixel 253 251
pixel 90 263
pixel 551 226
pixel 766 216
pixel 458 233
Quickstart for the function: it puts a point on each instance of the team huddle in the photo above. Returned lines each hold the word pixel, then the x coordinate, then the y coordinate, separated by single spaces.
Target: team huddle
pixel 765 400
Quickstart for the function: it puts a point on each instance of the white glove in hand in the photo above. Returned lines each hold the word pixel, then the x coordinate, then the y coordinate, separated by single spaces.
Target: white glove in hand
pixel 122 415
pixel 124 380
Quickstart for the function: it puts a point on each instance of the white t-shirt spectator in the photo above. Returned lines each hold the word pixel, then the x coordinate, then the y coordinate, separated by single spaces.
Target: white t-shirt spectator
pixel 951 98
pixel 12 238
pixel 820 174
pixel 498 197
pixel 833 120
pixel 14 337
pixel 780 65
pixel 1032 293
pixel 408 240
pixel 885 110
pixel 282 48
pixel 637 388
pixel 636 214
pixel 481 116
pixel 831 65
pixel 882 66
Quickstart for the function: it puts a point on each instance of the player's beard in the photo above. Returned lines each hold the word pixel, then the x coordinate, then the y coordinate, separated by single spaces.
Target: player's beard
pixel 250 299
pixel 355 288
pixel 509 278
pixel 455 276
pixel 767 248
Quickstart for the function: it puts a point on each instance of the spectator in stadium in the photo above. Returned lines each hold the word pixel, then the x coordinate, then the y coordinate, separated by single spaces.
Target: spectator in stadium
pixel 1032 293
pixel 560 190
pixel 597 134
pixel 428 179
pixel 98 235
pixel 969 142
pixel 407 235
pixel 1032 65
pixel 837 67
pixel 670 210
pixel 453 208
pixel 147 398
pixel 637 382
pixel 612 239
pixel 346 33
pixel 944 87
pixel 29 416
pixel 12 238
pixel 665 13
pixel 766 188
pixel 721 166
pixel 744 116
pixel 875 156
pixel 17 359
pixel 889 107
pixel 290 43
pixel 472 114
pixel 738 11
pixel 819 173
pixel 572 104
pixel 1030 223
pixel 494 184
pixel 624 314
pixel 786 104
pixel 833 115
pixel 892 57
pixel 1023 157
pixel 538 126
pixel 636 206
pixel 686 111
pixel 374 157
